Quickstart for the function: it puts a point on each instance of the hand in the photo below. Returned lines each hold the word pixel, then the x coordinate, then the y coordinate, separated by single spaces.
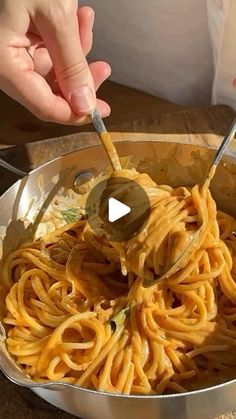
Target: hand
pixel 43 49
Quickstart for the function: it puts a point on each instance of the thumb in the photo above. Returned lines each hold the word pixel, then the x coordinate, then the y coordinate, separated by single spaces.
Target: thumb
pixel 60 31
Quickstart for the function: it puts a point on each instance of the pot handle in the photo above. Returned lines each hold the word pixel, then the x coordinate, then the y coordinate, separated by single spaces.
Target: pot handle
pixel 12 169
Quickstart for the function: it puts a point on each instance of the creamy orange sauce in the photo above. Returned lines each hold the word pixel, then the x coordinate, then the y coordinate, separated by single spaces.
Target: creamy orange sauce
pixel 111 150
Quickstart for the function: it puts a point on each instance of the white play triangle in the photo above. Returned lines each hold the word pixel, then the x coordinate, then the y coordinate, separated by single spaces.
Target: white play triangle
pixel 117 210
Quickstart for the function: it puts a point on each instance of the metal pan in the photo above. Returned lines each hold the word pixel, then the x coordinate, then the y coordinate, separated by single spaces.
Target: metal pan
pixel 171 163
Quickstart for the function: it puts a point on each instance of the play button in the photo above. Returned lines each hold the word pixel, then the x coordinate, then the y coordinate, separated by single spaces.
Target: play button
pixel 116 210
pixel 119 206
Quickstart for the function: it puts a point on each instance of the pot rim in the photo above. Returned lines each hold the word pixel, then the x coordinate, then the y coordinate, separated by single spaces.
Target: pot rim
pixel 57 385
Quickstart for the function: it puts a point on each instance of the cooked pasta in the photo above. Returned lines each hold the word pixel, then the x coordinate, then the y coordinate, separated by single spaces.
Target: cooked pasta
pixel 77 310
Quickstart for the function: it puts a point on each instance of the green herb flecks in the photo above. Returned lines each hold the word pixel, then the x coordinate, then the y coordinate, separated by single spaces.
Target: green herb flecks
pixel 119 319
pixel 71 215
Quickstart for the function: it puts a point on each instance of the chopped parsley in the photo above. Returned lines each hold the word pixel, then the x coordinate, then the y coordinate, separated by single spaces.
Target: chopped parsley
pixel 71 215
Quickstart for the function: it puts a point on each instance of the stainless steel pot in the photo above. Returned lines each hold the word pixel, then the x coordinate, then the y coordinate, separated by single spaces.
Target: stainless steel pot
pixel 167 163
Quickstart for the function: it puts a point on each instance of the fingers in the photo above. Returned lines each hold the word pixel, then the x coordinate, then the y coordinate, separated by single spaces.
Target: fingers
pixel 100 71
pixel 42 60
pixel 62 59
pixel 32 91
pixel 103 108
pixel 86 20
pixel 59 29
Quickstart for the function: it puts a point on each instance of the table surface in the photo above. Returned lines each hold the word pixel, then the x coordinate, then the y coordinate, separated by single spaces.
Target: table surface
pixel 37 142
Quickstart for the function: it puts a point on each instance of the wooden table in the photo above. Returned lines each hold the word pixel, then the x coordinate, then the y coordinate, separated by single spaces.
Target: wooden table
pixel 133 112
pixel 18 126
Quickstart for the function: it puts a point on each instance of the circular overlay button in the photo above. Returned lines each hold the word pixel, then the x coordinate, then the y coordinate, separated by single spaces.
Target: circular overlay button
pixel 119 206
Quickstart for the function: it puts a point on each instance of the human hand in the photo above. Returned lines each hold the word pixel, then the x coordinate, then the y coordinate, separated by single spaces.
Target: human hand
pixel 43 49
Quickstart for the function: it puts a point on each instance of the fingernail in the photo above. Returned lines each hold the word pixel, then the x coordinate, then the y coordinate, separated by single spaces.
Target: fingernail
pixel 83 100
pixel 234 82
pixel 92 16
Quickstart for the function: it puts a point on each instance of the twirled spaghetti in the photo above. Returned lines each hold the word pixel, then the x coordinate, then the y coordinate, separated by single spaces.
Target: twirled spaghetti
pixel 77 310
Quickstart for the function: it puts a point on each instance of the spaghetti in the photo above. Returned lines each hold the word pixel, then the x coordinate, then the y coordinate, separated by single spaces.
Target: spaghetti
pixel 77 310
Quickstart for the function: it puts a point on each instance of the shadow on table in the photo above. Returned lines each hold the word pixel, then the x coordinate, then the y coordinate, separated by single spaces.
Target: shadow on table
pixel 22 403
